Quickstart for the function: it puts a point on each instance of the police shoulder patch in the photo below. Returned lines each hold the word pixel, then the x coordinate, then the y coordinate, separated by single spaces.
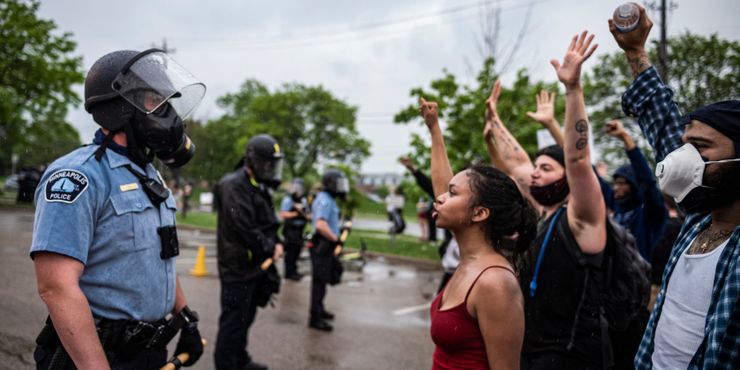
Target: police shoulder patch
pixel 65 186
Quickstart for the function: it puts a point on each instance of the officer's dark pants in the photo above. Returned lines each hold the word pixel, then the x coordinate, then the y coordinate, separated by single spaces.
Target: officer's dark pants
pixel 238 310
pixel 146 360
pixel 321 264
pixel 293 247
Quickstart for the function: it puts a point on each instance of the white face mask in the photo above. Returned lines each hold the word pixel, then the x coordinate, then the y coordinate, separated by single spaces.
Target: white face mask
pixel 682 171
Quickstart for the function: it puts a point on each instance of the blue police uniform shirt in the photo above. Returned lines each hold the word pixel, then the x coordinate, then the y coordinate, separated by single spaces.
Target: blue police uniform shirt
pixel 287 204
pixel 325 207
pixel 97 213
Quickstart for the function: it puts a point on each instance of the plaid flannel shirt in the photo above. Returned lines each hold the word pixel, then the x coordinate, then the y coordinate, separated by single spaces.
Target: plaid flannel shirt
pixel 652 103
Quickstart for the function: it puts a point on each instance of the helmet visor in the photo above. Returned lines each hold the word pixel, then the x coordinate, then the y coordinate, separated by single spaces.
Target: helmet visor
pixel 271 170
pixel 297 189
pixel 155 79
pixel 342 185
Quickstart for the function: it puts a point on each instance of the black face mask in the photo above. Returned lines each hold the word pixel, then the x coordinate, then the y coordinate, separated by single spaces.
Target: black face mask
pixel 552 193
pixel 161 133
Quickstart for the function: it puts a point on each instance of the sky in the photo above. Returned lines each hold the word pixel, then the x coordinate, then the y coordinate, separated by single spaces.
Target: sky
pixel 368 53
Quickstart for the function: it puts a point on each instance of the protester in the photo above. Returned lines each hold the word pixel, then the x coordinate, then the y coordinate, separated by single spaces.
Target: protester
pixel 422 208
pixel 394 204
pixel 639 203
pixel 246 237
pixel 566 335
pixel 105 241
pixel 695 322
pixel 477 319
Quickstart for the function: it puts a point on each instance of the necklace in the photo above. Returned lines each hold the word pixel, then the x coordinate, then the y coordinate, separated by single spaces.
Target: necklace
pixel 710 240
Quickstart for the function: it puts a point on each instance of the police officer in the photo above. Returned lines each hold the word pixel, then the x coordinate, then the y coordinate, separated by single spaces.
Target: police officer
pixel 326 237
pixel 294 212
pixel 246 238
pixel 104 237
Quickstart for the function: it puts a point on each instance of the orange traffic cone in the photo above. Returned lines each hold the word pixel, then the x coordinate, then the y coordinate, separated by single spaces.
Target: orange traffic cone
pixel 200 263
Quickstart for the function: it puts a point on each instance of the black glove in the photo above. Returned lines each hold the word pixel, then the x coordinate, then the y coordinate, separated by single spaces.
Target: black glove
pixel 190 343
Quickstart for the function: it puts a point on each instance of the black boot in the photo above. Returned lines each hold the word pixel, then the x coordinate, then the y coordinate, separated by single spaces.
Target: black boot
pixel 320 325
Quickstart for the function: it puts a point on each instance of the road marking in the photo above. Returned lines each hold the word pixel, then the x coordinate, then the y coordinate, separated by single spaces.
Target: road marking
pixel 412 309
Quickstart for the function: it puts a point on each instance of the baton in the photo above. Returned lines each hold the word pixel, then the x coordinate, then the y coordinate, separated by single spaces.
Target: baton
pixel 266 264
pixel 176 361
pixel 343 237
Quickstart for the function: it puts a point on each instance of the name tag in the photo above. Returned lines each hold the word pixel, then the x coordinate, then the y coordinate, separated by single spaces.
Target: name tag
pixel 129 187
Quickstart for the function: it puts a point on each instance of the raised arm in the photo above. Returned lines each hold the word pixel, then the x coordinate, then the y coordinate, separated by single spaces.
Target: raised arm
pixel 646 182
pixel 545 115
pixel 586 209
pixel 424 182
pixel 441 170
pixel 493 155
pixel 514 160
pixel 648 99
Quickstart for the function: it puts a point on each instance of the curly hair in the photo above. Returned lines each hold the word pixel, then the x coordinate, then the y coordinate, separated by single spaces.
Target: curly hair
pixel 512 224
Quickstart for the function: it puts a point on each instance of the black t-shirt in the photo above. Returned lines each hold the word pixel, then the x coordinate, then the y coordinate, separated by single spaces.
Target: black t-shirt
pixel 662 250
pixel 555 325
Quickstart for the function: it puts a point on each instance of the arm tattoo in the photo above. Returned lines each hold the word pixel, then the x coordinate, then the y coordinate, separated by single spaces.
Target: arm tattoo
pixel 582 129
pixel 638 63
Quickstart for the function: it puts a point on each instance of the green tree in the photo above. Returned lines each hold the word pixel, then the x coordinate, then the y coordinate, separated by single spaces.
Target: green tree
pixel 311 125
pixel 37 72
pixel 462 107
pixel 701 70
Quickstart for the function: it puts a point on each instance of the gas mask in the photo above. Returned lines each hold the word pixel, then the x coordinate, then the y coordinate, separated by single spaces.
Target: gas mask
pixel 552 193
pixel 681 175
pixel 164 94
pixel 162 133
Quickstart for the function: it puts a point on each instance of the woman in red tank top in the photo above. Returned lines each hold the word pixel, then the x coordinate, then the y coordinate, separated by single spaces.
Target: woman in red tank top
pixel 478 318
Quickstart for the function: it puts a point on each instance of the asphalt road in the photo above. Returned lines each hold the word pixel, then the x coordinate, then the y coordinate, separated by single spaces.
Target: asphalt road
pixel 382 310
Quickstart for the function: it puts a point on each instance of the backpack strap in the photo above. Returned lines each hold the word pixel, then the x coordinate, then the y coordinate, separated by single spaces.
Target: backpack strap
pixel 541 254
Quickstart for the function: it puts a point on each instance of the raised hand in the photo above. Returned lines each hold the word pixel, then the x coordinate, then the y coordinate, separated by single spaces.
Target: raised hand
pixel 545 113
pixel 580 49
pixel 633 41
pixel 615 128
pixel 406 162
pixel 429 111
pixel 491 112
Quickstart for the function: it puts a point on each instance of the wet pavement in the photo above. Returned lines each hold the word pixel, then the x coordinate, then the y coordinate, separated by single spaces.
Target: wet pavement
pixel 382 317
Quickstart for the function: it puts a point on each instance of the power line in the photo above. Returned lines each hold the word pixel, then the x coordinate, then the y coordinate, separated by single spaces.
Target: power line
pixel 360 32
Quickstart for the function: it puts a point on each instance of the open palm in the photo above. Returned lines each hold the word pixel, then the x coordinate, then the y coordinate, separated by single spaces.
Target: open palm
pixel 545 107
pixel 580 49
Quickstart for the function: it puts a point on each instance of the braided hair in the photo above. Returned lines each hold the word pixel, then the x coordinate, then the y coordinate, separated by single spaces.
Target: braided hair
pixel 512 224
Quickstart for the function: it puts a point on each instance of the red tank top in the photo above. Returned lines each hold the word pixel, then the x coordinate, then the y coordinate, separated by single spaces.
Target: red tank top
pixel 456 335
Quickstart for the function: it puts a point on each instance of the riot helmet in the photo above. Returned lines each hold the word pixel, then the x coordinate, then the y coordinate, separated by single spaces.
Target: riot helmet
pixel 147 95
pixel 297 188
pixel 265 160
pixel 335 183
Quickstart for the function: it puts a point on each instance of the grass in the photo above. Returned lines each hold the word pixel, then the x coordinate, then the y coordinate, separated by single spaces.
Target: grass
pixel 404 245
pixel 198 219
pixel 377 241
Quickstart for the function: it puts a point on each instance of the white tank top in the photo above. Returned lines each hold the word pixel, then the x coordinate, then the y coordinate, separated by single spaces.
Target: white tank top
pixel 680 329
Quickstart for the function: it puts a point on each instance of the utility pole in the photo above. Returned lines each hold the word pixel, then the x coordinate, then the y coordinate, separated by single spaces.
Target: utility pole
pixel 663 46
pixel 164 47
